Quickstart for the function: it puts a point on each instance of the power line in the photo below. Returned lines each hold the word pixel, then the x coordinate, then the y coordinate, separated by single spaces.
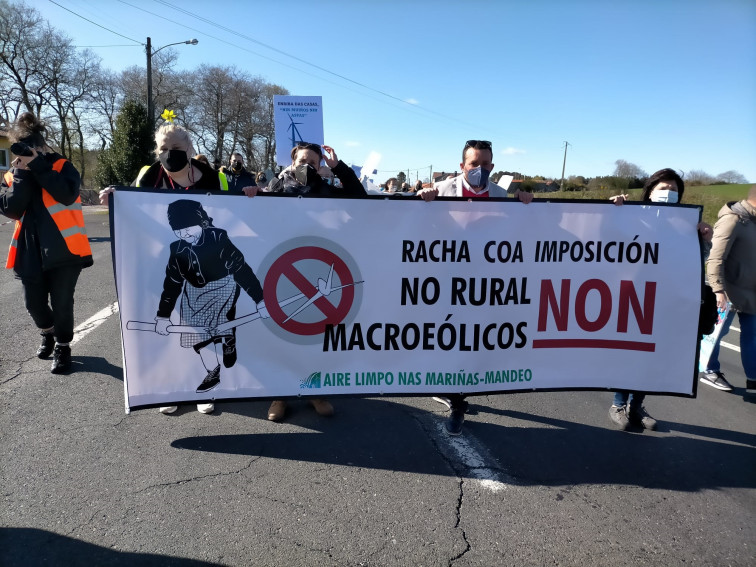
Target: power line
pixel 95 23
pixel 406 105
pixel 115 45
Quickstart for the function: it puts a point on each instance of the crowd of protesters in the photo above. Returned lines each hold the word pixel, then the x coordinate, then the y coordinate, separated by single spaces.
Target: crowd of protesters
pixel 50 248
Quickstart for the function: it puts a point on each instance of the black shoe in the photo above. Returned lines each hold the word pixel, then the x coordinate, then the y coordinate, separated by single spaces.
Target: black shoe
pixel 229 352
pixel 46 346
pixel 211 380
pixel 456 419
pixel 61 360
pixel 640 418
pixel 750 384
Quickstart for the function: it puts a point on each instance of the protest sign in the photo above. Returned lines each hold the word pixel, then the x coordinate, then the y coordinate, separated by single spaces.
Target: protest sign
pixel 296 119
pixel 399 296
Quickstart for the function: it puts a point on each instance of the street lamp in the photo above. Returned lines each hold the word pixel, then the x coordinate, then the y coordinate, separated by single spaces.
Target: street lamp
pixel 150 53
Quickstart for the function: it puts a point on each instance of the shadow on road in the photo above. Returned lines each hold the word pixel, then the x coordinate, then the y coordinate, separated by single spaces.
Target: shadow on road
pixel 29 546
pixel 380 434
pixel 96 365
pixel 574 453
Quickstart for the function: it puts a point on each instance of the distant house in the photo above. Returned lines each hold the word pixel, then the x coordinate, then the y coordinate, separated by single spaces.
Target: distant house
pixel 545 187
pixel 535 186
pixel 441 175
pixel 5 145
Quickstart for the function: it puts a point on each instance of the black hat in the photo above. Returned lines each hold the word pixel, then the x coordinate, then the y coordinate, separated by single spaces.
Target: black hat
pixel 185 212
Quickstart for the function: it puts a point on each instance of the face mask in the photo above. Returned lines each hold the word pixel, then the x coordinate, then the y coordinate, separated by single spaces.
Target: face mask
pixel 306 174
pixel 478 177
pixel 236 166
pixel 174 160
pixel 664 196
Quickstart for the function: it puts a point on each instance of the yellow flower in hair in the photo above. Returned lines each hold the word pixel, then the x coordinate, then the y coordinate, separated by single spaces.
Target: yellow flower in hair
pixel 168 115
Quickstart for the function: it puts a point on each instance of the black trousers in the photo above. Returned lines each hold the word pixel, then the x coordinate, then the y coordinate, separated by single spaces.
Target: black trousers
pixel 50 300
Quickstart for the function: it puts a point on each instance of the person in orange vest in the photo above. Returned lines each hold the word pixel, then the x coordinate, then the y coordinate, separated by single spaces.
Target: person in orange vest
pixel 49 246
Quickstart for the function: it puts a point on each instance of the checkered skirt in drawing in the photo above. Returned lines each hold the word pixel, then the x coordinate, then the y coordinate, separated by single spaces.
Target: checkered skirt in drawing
pixel 206 307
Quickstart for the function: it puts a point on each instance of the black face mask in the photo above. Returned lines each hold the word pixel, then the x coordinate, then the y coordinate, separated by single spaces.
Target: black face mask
pixel 306 174
pixel 174 160
pixel 236 166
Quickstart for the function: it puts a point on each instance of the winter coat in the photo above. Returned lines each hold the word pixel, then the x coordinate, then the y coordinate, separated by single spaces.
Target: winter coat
pixel 154 176
pixel 351 186
pixel 238 181
pixel 40 244
pixel 732 260
pixel 453 188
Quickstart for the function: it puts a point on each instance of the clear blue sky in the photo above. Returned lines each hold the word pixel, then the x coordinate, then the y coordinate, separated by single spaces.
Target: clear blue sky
pixel 659 83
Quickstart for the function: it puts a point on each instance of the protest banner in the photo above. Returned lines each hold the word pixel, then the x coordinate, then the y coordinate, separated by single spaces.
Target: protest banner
pixel 296 119
pixel 401 297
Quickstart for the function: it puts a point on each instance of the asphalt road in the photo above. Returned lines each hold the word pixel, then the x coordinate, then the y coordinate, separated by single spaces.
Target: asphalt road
pixel 536 479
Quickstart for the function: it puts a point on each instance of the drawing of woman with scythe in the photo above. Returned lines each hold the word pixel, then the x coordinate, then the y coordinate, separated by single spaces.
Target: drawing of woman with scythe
pixel 207 272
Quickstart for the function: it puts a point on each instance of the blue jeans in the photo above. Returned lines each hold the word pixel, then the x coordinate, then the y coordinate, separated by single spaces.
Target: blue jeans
pixel 622 397
pixel 747 344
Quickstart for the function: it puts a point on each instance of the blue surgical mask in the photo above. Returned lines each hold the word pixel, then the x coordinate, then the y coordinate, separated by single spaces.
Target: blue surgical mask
pixel 478 177
pixel 664 196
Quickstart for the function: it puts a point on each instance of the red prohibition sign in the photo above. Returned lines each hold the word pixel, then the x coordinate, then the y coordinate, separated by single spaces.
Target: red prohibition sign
pixel 284 267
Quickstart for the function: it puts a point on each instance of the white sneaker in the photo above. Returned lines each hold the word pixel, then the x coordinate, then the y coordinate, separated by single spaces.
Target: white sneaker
pixel 168 409
pixel 205 408
pixel 442 400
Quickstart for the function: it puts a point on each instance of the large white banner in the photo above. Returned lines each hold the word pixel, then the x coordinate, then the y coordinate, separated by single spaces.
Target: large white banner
pixel 384 296
pixel 297 119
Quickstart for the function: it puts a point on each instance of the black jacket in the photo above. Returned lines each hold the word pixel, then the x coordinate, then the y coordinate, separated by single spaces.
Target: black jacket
pixel 238 181
pixel 41 246
pixel 212 258
pixel 351 186
pixel 156 177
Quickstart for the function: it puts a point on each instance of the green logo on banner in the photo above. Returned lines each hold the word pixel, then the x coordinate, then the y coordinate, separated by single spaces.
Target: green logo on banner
pixel 312 381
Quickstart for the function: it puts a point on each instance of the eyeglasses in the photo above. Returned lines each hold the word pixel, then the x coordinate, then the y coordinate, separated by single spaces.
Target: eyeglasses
pixel 478 144
pixel 308 146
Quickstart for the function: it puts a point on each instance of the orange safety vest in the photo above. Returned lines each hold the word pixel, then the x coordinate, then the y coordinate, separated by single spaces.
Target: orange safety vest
pixel 68 218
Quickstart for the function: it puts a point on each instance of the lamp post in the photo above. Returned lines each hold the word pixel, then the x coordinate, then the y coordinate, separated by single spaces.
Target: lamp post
pixel 150 53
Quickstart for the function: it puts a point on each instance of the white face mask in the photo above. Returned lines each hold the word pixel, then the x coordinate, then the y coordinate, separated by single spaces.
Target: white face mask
pixel 664 196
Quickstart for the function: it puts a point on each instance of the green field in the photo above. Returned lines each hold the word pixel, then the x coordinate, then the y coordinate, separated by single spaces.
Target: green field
pixel 712 197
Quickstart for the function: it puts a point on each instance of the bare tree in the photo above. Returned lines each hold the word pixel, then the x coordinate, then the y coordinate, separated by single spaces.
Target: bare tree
pixel 628 170
pixel 698 177
pixel 106 97
pixel 266 137
pixel 22 47
pixel 731 176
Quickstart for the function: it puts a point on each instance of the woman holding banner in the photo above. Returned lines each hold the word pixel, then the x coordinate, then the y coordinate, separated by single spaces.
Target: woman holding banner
pixel 302 178
pixel 664 186
pixel 176 169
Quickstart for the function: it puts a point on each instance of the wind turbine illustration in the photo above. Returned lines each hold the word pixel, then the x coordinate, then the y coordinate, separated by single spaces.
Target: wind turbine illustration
pixel 294 131
pixel 324 287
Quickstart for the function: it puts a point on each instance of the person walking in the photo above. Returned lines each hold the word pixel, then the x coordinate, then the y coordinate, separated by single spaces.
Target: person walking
pixel 49 246
pixel 731 271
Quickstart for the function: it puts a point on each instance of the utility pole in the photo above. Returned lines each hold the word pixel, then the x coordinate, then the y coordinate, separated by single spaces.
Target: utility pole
pixel 150 106
pixel 150 53
pixel 561 185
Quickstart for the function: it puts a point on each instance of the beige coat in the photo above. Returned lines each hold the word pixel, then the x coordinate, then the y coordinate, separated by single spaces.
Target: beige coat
pixel 732 261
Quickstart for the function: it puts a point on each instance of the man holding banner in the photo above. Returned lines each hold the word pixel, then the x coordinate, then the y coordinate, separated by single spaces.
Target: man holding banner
pixel 473 183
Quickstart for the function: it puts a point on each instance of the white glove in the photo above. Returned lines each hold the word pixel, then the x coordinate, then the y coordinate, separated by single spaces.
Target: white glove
pixel 161 325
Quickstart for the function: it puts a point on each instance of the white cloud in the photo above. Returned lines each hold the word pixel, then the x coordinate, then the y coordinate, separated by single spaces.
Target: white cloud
pixel 352 144
pixel 510 151
pixel 412 101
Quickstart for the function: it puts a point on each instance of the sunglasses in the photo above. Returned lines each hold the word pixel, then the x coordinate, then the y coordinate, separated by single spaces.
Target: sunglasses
pixel 478 144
